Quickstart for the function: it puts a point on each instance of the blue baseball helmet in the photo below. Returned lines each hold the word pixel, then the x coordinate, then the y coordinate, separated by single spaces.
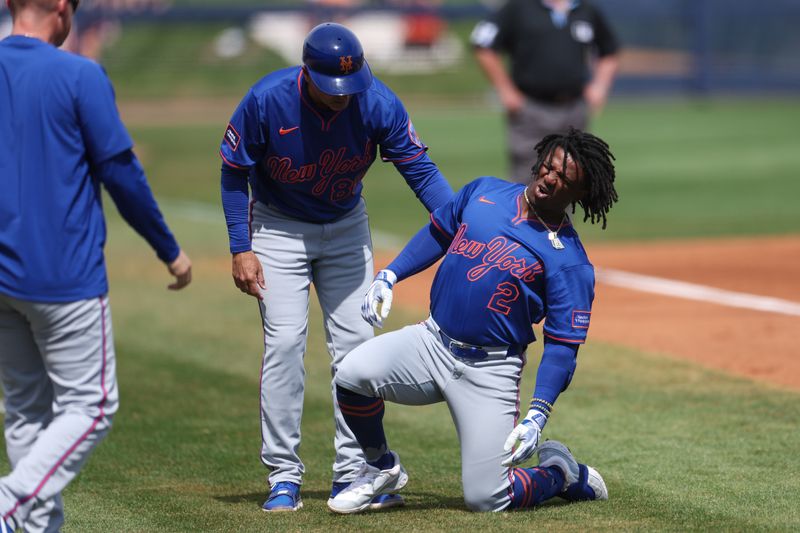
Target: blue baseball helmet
pixel 335 60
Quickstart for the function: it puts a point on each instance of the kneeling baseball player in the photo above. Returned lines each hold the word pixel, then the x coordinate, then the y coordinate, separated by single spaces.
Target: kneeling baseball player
pixel 511 258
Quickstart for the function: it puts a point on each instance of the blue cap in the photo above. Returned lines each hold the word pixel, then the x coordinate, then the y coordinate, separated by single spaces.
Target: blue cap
pixel 335 60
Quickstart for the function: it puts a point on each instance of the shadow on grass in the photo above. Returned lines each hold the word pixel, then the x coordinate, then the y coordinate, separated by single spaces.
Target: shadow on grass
pixel 420 500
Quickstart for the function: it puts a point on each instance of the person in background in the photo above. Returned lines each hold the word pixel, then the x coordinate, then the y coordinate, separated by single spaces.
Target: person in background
pixel 563 60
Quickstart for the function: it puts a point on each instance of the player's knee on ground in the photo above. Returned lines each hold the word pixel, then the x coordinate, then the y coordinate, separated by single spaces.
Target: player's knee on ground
pixel 483 498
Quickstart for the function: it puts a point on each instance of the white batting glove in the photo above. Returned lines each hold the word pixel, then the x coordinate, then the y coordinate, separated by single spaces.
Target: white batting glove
pixel 527 433
pixel 379 294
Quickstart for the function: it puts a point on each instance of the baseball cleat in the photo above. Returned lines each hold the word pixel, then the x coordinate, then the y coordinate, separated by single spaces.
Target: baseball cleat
pixel 284 496
pixel 581 482
pixel 369 484
pixel 381 501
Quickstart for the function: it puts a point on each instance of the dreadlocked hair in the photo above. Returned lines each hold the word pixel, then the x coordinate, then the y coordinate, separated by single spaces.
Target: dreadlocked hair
pixel 592 155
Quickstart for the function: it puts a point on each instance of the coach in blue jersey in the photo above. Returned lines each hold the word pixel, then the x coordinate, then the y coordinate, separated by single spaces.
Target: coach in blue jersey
pixel 304 137
pixel 62 138
pixel 511 258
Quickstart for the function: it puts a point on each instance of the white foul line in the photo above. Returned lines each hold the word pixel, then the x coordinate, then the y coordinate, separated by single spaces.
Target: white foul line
pixel 692 291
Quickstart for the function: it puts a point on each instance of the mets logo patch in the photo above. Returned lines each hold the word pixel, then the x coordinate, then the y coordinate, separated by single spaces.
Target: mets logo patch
pixel 580 319
pixel 414 136
pixel 232 137
pixel 345 64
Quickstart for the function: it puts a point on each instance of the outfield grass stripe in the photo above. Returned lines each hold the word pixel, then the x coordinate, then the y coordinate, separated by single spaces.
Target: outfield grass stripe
pixel 692 291
pixel 205 213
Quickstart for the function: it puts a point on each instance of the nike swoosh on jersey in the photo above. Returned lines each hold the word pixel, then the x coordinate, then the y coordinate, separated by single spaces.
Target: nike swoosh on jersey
pixel 485 200
pixel 284 131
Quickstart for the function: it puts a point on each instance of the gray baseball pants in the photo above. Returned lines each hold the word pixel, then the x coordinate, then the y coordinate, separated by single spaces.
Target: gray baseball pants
pixel 337 258
pixel 411 366
pixel 60 394
pixel 532 123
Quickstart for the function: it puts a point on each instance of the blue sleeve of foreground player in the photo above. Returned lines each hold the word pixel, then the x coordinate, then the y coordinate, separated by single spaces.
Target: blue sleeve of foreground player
pixel 427 182
pixel 555 371
pixel 125 181
pixel 423 250
pixel 235 204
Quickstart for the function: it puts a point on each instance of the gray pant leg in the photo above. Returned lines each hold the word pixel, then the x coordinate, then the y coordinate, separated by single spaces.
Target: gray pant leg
pixel 484 404
pixel 398 366
pixel 533 122
pixel 342 274
pixel 282 247
pixel 411 366
pixel 73 343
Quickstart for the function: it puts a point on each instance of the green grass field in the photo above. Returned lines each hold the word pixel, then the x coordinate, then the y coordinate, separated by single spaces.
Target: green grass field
pixel 682 449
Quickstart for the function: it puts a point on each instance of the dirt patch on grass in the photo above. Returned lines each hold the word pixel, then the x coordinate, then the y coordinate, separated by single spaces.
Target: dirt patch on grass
pixel 754 344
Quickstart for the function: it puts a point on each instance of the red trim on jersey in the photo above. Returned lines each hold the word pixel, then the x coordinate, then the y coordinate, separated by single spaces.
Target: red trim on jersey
pixel 437 226
pixel 234 165
pixel 306 102
pixel 518 217
pixel 570 341
pixel 407 159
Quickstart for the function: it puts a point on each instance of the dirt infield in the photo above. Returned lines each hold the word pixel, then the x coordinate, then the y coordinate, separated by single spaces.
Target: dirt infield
pixel 753 344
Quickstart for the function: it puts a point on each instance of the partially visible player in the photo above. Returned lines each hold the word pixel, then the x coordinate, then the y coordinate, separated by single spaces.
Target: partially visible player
pixel 511 258
pixel 62 138
pixel 303 138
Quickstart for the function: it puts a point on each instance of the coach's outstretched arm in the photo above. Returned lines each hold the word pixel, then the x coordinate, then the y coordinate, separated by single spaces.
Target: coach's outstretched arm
pixel 125 181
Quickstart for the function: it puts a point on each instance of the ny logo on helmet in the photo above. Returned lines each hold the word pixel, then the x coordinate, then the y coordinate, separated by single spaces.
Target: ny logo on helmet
pixel 345 64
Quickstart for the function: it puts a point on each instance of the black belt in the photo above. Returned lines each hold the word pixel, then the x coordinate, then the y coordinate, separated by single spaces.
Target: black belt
pixel 555 98
pixel 472 352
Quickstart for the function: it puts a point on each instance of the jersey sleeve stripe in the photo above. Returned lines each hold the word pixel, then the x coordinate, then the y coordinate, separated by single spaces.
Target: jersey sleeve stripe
pixel 438 227
pixel 388 160
pixel 570 341
pixel 234 165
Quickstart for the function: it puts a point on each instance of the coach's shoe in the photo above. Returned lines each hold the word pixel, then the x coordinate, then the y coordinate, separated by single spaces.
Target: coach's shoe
pixel 381 501
pixel 368 485
pixel 581 482
pixel 284 496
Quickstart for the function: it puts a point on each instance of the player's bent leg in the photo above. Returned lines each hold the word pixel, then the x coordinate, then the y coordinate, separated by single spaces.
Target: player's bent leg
pixel 582 482
pixel 482 397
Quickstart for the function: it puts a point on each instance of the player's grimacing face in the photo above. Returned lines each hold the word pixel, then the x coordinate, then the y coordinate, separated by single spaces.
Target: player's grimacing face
pixel 555 187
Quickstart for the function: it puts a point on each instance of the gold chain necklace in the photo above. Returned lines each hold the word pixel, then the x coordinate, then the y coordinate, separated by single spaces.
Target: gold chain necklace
pixel 552 235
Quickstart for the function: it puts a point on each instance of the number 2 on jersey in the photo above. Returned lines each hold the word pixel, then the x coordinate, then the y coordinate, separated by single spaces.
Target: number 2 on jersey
pixel 506 293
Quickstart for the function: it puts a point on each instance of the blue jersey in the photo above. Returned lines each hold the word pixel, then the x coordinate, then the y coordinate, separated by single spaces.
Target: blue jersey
pixel 501 273
pixel 308 162
pixel 58 124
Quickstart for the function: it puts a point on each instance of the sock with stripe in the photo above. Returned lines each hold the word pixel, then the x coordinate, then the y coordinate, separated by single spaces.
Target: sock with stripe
pixel 534 486
pixel 364 416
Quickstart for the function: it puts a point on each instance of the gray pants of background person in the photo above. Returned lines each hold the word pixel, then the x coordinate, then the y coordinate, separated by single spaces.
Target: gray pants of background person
pixel 531 124
pixel 411 366
pixel 60 394
pixel 337 259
